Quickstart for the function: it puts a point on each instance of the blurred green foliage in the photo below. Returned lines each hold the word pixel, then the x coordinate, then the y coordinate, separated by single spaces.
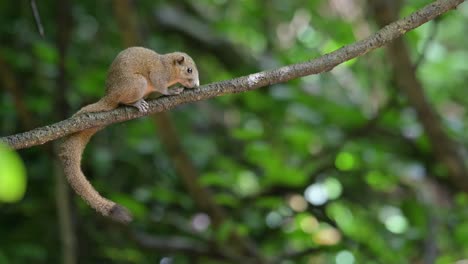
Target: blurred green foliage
pixel 336 162
pixel 12 176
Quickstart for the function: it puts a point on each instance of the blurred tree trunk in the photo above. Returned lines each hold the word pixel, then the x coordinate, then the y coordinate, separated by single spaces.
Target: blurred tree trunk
pixel 62 190
pixel 128 24
pixel 126 18
pixel 444 148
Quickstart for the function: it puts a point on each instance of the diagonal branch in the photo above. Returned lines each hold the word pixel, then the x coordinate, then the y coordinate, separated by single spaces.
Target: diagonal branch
pixel 37 18
pixel 246 83
pixel 169 244
pixel 186 245
pixel 444 148
pixel 127 20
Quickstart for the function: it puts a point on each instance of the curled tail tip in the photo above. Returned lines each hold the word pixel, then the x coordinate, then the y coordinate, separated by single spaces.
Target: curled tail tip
pixel 120 214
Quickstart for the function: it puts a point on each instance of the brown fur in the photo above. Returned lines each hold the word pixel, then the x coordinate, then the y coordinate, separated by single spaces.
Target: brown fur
pixel 135 73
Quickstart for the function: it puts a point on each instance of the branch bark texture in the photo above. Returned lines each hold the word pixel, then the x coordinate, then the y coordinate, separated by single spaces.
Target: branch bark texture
pixel 245 83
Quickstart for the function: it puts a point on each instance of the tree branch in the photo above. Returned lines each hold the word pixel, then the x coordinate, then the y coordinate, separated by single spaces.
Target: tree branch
pixel 10 83
pixel 170 244
pixel 128 24
pixel 186 245
pixel 37 18
pixel 65 207
pixel 246 83
pixel 444 148
pixel 184 166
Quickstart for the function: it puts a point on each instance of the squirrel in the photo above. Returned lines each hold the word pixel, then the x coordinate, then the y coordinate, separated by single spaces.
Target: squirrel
pixel 135 73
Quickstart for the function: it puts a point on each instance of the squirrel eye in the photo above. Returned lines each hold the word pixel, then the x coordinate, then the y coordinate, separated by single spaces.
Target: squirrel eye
pixel 189 70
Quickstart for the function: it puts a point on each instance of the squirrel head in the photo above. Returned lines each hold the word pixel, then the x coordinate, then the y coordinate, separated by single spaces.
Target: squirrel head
pixel 186 71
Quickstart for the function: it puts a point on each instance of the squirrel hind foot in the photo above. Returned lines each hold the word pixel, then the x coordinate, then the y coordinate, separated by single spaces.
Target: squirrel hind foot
pixel 120 214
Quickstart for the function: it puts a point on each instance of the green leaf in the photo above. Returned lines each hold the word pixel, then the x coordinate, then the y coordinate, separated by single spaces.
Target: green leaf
pixel 380 181
pixel 247 183
pixel 216 179
pixel 225 199
pixel 125 254
pixel 225 230
pixel 12 176
pixel 346 161
pixel 46 52
pixel 461 233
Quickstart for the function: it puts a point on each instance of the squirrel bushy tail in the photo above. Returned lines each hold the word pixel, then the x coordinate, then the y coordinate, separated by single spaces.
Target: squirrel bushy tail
pixel 70 152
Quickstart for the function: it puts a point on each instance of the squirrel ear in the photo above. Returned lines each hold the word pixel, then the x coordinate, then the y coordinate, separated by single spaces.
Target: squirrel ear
pixel 179 59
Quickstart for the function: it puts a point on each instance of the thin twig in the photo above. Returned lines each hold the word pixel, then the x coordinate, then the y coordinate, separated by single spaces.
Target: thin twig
pixel 37 18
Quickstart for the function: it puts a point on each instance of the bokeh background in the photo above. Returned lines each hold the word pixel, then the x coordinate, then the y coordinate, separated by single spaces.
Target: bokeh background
pixel 363 164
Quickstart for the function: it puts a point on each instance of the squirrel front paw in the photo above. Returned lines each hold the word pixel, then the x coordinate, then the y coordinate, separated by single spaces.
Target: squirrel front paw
pixel 175 90
pixel 142 105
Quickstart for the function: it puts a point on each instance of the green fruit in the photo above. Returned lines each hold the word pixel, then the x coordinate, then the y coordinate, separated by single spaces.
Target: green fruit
pixel 12 176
